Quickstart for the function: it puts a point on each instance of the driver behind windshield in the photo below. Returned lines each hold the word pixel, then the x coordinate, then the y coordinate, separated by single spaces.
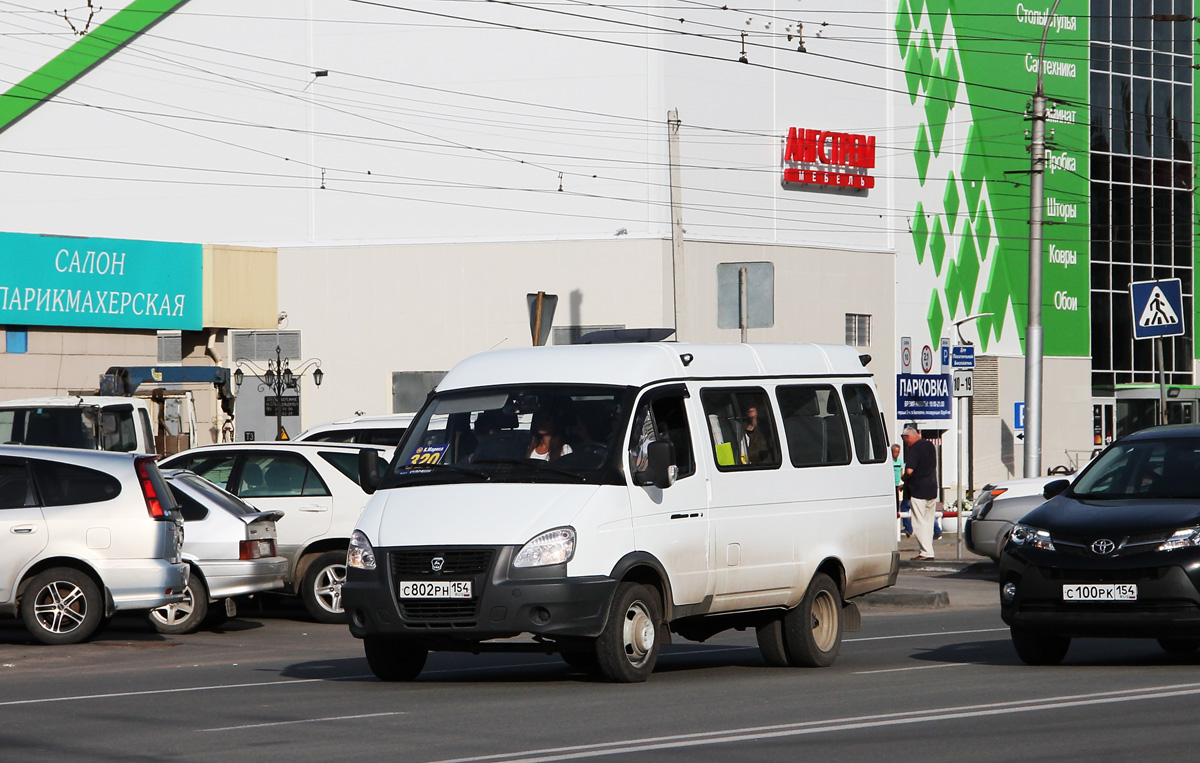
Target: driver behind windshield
pixel 546 441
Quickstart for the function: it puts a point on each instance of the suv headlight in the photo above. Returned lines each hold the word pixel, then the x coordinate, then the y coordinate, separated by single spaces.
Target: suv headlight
pixel 551 547
pixel 360 555
pixel 1185 538
pixel 1024 535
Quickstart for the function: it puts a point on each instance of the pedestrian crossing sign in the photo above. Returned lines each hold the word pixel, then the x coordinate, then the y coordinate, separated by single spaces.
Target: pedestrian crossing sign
pixel 1157 308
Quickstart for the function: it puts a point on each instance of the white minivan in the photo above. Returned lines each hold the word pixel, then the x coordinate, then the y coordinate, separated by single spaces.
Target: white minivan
pixel 603 498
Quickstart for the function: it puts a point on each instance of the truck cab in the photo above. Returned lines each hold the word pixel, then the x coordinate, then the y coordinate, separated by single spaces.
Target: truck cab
pixel 119 424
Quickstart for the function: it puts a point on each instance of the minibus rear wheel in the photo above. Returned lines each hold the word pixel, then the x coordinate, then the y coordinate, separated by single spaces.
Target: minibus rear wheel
pixel 773 643
pixel 813 630
pixel 628 646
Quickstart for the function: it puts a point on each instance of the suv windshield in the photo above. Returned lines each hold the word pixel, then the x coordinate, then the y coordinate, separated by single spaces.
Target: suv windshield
pixel 1166 468
pixel 532 433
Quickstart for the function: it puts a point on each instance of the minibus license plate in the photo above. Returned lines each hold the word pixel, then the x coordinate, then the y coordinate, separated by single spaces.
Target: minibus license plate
pixel 435 589
pixel 1100 592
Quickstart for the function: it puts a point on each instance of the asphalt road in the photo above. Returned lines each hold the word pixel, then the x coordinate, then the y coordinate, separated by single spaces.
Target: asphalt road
pixel 938 684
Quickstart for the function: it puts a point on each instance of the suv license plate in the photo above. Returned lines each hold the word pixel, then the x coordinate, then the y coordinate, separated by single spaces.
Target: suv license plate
pixel 435 589
pixel 1100 592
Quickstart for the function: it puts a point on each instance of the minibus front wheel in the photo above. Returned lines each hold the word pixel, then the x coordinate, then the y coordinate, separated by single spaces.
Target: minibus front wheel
pixel 627 648
pixel 394 658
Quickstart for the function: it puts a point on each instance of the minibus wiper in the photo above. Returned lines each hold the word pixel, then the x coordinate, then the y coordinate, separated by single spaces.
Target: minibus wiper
pixel 535 465
pixel 416 470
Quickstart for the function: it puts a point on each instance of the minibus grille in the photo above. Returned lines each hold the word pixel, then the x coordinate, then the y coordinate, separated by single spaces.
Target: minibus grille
pixel 455 561
pixel 472 563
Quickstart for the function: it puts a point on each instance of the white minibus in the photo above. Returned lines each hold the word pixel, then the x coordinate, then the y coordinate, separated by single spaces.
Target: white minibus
pixel 598 500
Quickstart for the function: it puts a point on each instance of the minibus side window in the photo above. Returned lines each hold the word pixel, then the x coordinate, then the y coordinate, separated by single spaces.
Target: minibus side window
pixel 813 425
pixel 866 424
pixel 742 428
pixel 664 418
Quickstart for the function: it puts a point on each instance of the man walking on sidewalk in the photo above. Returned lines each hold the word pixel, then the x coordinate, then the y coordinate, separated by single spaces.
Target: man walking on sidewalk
pixel 920 478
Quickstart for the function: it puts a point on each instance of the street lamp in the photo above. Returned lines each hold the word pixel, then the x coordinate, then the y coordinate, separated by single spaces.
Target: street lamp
pixel 1033 326
pixel 277 377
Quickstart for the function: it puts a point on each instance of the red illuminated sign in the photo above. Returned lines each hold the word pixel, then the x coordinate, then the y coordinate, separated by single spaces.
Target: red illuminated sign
pixel 839 159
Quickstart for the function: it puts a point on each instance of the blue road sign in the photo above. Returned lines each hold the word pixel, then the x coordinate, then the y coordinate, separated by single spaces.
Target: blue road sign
pixel 1019 416
pixel 1157 308
pixel 923 396
pixel 964 356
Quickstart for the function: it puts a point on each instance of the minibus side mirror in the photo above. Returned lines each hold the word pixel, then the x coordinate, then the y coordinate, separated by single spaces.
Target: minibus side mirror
pixel 1056 487
pixel 368 470
pixel 660 469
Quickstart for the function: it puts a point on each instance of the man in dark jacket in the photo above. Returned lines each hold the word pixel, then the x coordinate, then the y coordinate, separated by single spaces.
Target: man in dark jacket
pixel 920 480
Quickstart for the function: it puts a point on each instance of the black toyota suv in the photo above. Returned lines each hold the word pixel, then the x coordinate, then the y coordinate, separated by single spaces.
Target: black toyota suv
pixel 1114 554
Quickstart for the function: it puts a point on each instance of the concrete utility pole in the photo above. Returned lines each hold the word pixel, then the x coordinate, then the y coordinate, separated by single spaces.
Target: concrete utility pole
pixel 1033 331
pixel 676 223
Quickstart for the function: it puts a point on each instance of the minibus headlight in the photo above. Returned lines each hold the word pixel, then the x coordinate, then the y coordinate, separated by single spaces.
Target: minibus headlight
pixel 360 555
pixel 552 547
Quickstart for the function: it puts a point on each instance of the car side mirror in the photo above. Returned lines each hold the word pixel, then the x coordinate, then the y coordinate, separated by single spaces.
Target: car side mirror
pixel 368 470
pixel 1057 487
pixel 660 469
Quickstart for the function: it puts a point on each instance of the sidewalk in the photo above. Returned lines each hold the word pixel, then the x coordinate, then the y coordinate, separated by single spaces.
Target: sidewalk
pixel 945 549
pixel 939 583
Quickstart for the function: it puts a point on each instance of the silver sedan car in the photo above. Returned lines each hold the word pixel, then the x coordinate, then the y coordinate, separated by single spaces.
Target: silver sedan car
pixel 998 507
pixel 231 547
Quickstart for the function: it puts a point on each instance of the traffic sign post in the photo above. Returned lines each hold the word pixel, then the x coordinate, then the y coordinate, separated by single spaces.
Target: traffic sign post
pixel 963 384
pixel 1158 312
pixel 964 356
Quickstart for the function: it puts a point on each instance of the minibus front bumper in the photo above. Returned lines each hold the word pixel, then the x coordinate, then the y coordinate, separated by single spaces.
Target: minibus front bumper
pixel 503 602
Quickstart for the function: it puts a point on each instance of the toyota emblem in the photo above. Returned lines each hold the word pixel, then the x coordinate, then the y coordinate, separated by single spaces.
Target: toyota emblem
pixel 1103 546
pixel 438 562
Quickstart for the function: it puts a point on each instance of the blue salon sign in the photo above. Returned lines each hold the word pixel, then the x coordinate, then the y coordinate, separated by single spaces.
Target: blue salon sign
pixel 922 396
pixel 100 282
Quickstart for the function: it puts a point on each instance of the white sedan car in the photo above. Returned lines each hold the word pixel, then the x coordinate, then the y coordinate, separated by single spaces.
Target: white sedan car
pixel 315 486
pixel 230 547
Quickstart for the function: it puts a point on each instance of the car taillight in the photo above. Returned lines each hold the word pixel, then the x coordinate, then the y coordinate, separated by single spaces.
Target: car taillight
pixel 256 549
pixel 153 504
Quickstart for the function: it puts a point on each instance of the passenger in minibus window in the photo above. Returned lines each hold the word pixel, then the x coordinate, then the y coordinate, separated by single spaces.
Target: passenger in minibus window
pixel 756 444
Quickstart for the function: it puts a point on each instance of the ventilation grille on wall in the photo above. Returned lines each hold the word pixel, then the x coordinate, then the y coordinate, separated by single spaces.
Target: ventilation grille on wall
pixel 170 347
pixel 987 386
pixel 259 346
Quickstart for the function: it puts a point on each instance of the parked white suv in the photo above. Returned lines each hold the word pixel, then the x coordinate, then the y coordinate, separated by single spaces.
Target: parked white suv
pixel 315 485
pixel 84 534
pixel 372 430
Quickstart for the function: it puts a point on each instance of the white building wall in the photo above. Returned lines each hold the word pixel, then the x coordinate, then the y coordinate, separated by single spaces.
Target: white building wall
pixel 426 307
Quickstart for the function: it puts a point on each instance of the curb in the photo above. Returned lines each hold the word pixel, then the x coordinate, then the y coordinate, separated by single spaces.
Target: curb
pixel 906 597
pixel 977 564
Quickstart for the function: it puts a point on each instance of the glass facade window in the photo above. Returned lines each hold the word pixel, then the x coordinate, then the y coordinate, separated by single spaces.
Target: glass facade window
pixel 1141 171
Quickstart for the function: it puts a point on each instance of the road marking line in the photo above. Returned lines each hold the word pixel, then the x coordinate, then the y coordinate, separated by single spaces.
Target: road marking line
pixel 704 650
pixel 306 720
pixel 918 635
pixel 918 667
pixel 160 691
pixel 752 734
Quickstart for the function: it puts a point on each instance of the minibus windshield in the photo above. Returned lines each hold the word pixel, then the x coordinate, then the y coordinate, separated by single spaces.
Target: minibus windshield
pixel 560 433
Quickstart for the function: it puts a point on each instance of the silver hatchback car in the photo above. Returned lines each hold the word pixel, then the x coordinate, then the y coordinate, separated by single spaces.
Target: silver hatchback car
pixel 84 534
pixel 230 546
